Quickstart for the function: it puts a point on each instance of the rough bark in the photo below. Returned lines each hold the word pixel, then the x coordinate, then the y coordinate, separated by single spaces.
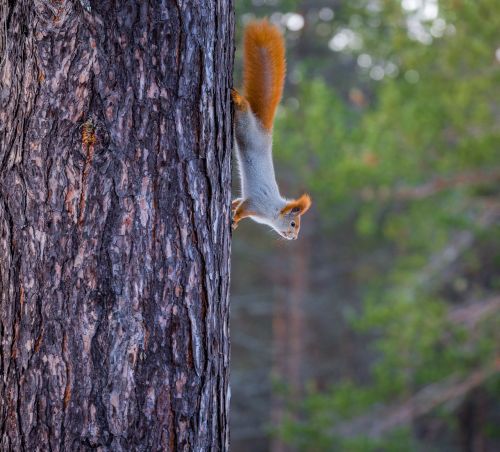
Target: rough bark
pixel 115 146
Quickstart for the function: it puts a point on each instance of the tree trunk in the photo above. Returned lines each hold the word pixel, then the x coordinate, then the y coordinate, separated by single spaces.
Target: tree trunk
pixel 289 334
pixel 115 147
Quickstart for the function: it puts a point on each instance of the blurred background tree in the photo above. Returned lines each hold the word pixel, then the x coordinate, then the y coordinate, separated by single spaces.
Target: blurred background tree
pixel 379 329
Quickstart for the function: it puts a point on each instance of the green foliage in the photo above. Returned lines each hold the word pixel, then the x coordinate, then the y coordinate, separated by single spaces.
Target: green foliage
pixel 313 139
pixel 434 114
pixel 437 117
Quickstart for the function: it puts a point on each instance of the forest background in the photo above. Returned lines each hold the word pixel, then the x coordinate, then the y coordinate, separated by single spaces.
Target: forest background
pixel 379 329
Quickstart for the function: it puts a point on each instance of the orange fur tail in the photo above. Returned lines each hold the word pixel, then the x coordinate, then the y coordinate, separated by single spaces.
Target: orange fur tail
pixel 264 69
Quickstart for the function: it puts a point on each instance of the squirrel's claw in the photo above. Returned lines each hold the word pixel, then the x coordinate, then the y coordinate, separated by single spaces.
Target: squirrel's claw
pixel 234 225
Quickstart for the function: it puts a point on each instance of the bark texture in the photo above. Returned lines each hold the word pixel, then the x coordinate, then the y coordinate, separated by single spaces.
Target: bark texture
pixel 115 147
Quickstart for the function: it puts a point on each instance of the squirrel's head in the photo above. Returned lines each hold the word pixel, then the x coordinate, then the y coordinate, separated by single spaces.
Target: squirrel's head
pixel 288 222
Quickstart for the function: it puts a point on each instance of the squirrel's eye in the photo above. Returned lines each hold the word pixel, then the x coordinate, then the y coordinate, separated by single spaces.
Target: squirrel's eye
pixel 292 224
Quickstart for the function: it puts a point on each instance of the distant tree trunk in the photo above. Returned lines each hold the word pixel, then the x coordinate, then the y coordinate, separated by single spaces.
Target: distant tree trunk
pixel 472 420
pixel 115 146
pixel 279 363
pixel 299 288
pixel 289 333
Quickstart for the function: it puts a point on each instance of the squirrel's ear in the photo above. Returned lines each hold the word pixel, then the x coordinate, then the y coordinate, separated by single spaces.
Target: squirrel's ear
pixel 298 206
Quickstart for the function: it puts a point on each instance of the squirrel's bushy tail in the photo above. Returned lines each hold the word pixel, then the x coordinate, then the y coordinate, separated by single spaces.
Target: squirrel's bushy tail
pixel 264 69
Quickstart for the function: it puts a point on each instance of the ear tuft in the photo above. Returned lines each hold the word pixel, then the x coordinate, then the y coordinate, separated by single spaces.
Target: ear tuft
pixel 297 206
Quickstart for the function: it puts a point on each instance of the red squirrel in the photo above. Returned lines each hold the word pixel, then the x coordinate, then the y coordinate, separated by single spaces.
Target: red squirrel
pixel 263 78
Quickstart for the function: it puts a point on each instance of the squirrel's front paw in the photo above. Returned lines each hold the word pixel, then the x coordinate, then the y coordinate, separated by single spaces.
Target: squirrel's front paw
pixel 239 101
pixel 234 224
